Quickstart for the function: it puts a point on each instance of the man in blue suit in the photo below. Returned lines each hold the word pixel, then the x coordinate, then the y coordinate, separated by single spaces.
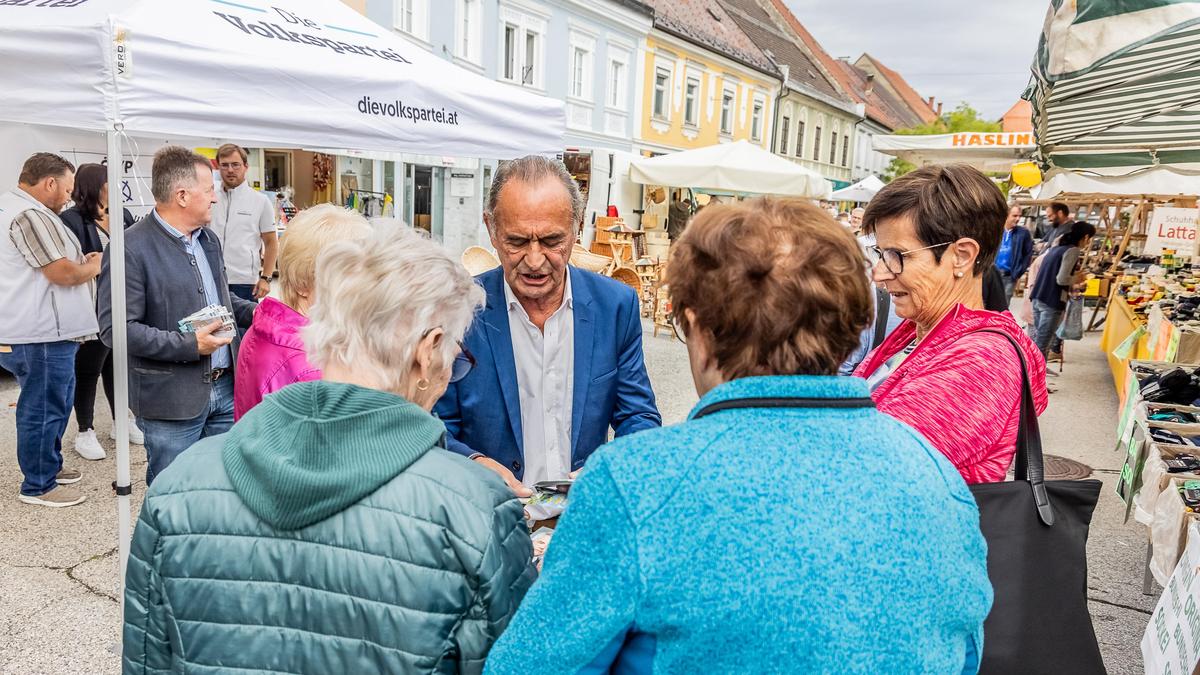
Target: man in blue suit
pixel 558 350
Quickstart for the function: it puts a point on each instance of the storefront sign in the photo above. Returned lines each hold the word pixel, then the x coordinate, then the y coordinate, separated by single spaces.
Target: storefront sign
pixel 1172 228
pixel 462 185
pixel 1171 644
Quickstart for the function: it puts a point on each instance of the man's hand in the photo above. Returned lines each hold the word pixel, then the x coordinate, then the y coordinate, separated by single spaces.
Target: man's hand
pixel 208 343
pixel 262 289
pixel 513 484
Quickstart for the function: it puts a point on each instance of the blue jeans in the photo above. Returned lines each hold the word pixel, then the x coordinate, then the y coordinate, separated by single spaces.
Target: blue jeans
pixel 243 291
pixel 1010 285
pixel 46 373
pixel 167 439
pixel 1046 320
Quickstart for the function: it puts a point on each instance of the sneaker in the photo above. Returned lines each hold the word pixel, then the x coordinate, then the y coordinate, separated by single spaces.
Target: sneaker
pixel 56 498
pixel 68 476
pixel 136 437
pixel 88 446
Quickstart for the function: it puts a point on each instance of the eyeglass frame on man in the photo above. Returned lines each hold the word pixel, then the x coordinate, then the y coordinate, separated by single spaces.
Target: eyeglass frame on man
pixel 879 257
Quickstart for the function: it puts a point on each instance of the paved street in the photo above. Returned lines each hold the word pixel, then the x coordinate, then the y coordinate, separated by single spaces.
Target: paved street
pixel 58 578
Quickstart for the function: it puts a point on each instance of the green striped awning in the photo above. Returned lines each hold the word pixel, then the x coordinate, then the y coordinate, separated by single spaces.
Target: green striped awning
pixel 1117 83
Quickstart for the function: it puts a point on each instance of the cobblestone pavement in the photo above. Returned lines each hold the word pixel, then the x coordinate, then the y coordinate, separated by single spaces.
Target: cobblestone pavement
pixel 58 567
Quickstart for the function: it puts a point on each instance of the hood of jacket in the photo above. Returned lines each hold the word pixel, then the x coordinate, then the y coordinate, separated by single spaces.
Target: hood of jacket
pixel 313 449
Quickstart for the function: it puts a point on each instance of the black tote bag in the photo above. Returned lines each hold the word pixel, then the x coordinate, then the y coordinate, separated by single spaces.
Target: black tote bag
pixel 1036 532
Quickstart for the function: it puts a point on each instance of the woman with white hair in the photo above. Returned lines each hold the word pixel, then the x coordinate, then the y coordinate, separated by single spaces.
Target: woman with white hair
pixel 328 531
pixel 272 355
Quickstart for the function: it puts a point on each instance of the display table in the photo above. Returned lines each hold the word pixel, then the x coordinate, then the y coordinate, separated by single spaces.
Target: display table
pixel 1120 324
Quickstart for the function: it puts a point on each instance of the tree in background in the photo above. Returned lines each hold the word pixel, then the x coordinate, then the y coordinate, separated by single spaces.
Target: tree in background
pixel 963 118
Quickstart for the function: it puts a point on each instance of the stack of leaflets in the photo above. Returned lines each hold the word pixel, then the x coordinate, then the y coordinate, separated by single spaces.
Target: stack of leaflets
pixel 209 314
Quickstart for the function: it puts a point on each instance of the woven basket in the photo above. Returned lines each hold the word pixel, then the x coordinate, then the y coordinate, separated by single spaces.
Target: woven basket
pixel 629 277
pixel 586 260
pixel 478 260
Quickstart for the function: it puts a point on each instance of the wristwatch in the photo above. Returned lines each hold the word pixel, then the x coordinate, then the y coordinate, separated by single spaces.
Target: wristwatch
pixel 265 278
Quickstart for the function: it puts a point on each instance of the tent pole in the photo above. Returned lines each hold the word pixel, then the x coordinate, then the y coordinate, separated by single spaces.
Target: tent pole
pixel 120 345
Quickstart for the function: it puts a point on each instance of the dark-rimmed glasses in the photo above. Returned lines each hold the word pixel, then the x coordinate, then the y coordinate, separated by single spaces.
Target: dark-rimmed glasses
pixel 893 258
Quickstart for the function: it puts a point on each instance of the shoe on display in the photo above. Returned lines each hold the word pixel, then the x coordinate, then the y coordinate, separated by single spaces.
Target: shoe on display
pixel 88 446
pixel 68 476
pixel 56 498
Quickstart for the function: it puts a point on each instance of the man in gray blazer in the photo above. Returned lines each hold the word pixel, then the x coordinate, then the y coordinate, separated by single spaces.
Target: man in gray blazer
pixel 180 384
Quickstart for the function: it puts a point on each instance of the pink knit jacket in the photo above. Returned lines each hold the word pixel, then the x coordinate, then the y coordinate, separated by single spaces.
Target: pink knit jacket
pixel 271 356
pixel 961 389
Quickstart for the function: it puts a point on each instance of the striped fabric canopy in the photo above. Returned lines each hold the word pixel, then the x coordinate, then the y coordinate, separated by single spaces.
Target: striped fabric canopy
pixel 1116 84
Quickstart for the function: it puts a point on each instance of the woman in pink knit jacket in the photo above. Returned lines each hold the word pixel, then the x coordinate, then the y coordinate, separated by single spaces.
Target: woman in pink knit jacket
pixel 944 371
pixel 272 355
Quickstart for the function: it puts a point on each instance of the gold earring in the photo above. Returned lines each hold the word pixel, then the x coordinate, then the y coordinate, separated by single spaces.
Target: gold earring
pixel 422 384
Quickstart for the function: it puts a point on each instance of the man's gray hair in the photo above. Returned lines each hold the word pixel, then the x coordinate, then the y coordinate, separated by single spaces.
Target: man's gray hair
pixel 174 167
pixel 533 169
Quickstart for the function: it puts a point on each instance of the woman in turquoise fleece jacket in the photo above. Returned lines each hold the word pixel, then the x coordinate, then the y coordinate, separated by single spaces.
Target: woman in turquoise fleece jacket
pixel 328 531
pixel 786 526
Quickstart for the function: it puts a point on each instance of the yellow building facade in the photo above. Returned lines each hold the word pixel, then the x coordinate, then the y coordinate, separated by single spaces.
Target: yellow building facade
pixel 694 98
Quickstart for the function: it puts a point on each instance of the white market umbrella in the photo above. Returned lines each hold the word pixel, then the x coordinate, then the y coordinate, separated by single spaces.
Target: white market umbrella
pixel 740 166
pixel 862 191
pixel 288 73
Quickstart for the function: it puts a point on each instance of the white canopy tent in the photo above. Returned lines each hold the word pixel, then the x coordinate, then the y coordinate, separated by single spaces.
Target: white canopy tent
pixel 862 191
pixel 292 73
pixel 738 167
pixel 986 151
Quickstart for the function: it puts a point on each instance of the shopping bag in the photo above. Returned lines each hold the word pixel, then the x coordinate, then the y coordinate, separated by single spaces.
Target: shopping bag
pixel 1036 532
pixel 1071 327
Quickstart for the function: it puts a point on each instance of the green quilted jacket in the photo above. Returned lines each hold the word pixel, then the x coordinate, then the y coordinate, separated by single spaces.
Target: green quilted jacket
pixel 327 532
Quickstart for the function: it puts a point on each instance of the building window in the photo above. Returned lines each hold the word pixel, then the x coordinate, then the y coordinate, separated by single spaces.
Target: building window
pixel 756 121
pixel 662 93
pixel 800 138
pixel 691 102
pixel 412 17
pixel 521 47
pixel 784 134
pixel 846 150
pixel 510 52
pixel 616 84
pixel 817 144
pixel 579 59
pixel 470 24
pixel 727 98
pixel 833 148
pixel 529 67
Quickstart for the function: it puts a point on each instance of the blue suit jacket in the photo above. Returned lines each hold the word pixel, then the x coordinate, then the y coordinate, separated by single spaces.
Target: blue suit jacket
pixel 482 412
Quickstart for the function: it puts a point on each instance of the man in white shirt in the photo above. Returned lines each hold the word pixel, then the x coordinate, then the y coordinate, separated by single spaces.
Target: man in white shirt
pixel 558 350
pixel 244 221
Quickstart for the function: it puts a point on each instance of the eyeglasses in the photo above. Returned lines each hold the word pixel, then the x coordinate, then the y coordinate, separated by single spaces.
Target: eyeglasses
pixel 893 258
pixel 677 328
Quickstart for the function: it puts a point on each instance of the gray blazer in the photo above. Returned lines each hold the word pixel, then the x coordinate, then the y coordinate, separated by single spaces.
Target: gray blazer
pixel 168 378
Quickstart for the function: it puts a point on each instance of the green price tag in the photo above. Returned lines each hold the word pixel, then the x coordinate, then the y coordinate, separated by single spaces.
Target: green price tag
pixel 1125 349
pixel 1173 345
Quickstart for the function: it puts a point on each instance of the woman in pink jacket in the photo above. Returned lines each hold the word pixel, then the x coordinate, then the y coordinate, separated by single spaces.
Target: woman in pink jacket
pixel 944 371
pixel 272 355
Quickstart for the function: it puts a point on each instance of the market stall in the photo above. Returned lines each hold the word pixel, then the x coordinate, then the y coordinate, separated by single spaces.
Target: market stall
pixel 740 167
pixel 292 74
pixel 861 192
pixel 986 151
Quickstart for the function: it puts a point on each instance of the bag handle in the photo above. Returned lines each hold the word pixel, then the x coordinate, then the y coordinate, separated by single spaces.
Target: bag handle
pixel 1031 466
pixel 784 402
pixel 883 307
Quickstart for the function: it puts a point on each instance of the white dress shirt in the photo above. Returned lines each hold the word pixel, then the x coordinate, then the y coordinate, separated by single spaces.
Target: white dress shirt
pixel 545 363
pixel 239 219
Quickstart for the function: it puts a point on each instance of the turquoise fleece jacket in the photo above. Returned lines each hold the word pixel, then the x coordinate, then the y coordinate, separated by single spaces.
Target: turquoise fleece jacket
pixel 762 540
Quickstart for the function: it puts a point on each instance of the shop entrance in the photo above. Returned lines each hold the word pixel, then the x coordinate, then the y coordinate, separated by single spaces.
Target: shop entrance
pixel 277 170
pixel 423 197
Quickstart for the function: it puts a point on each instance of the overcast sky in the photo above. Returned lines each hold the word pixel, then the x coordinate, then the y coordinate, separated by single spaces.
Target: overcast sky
pixel 954 50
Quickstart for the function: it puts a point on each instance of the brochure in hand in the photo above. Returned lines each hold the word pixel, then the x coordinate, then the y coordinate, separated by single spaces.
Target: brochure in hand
pixel 202 318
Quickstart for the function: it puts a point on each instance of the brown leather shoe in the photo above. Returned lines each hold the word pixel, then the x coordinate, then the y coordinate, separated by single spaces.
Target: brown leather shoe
pixel 57 498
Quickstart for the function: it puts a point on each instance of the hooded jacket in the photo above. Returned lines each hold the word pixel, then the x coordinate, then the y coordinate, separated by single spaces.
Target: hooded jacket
pixel 961 389
pixel 271 356
pixel 325 533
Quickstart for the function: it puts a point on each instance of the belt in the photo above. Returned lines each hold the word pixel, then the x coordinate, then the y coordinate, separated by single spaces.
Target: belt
pixel 215 374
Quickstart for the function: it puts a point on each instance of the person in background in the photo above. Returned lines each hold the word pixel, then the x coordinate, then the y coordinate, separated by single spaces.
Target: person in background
pixel 1058 276
pixel 1015 253
pixel 559 348
pixel 944 371
pixel 843 219
pixel 180 384
pixel 856 220
pixel 272 353
pixel 87 219
pixel 1058 223
pixel 724 544
pixel 329 531
pixel 244 222
pixel 45 281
